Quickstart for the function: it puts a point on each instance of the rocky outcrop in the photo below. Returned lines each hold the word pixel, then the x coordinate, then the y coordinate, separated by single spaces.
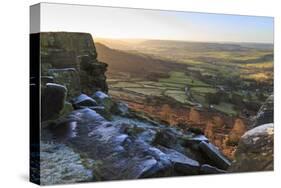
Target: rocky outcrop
pixel 63 50
pixel 69 61
pixel 130 149
pixel 255 150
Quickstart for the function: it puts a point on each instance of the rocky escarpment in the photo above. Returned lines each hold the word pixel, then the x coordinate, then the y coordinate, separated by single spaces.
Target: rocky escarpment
pixel 70 59
pixel 255 151
pixel 103 139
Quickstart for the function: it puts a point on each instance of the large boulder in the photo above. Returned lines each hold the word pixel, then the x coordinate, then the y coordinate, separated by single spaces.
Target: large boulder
pixel 52 100
pixel 255 150
pixel 99 95
pixel 265 113
pixel 83 101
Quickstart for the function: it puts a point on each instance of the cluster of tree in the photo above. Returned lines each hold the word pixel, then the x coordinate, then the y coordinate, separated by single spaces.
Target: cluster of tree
pixel 241 102
pixel 221 96
pixel 216 98
pixel 155 76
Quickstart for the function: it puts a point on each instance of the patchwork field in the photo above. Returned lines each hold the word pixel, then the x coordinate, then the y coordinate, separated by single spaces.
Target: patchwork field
pixel 229 78
pixel 192 83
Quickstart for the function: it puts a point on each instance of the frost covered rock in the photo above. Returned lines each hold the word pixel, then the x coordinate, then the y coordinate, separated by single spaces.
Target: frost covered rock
pixel 59 164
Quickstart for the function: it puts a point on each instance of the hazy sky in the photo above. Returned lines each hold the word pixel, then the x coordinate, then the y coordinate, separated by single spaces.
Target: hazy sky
pixel 109 22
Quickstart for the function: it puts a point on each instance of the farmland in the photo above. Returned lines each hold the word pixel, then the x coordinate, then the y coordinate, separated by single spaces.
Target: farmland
pixel 191 83
pixel 213 76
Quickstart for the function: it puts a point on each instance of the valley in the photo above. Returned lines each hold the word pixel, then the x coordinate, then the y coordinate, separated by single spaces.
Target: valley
pixel 215 87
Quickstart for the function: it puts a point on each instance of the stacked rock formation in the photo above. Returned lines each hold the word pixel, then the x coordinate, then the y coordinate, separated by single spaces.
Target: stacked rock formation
pixel 71 59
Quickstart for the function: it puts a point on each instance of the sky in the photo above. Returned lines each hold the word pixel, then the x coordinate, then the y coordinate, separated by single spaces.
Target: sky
pixel 125 23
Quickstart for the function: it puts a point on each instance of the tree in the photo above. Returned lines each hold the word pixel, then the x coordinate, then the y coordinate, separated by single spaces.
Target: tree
pixel 213 98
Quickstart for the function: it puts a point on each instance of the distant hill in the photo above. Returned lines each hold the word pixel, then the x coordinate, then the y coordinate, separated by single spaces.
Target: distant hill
pixel 191 46
pixel 123 61
pixel 142 44
pixel 205 46
pixel 120 44
pixel 260 46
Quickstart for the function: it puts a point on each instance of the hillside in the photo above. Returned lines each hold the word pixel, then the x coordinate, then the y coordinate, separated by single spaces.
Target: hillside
pixel 121 61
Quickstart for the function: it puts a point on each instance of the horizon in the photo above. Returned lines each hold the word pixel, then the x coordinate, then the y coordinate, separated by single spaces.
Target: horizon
pixel 127 23
pixel 191 41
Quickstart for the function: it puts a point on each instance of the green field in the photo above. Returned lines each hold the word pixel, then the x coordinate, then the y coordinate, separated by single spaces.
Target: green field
pixel 229 80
